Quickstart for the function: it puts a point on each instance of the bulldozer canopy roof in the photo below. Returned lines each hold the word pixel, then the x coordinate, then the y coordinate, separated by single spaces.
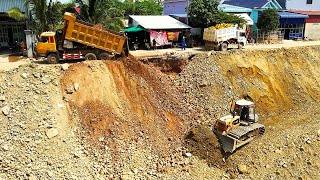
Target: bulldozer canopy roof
pixel 243 102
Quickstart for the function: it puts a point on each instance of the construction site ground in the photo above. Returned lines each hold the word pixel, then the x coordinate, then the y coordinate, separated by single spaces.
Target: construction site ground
pixel 151 118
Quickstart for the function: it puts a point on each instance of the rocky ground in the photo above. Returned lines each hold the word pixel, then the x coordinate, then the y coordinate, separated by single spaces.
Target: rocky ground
pixel 151 119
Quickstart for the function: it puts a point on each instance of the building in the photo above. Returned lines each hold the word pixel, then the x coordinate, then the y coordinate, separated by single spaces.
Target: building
pixel 291 23
pixel 311 8
pixel 304 5
pixel 256 6
pixel 177 9
pixel 312 24
pixel 11 30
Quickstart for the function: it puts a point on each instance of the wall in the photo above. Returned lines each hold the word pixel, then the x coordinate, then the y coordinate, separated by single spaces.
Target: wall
pixel 301 5
pixel 175 7
pixel 312 31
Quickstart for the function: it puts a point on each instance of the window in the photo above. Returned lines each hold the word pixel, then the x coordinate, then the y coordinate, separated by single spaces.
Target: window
pixel 43 39
pixel 309 1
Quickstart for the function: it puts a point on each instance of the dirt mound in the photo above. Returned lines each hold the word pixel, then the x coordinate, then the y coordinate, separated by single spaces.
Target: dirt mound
pixel 127 101
pixel 202 142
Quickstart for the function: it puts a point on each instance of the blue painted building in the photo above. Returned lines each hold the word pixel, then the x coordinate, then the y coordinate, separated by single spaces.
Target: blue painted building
pixel 177 9
pixel 291 24
pixel 256 6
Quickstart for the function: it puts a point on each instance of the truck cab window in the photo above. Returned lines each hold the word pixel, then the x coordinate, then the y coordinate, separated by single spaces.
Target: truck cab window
pixel 44 39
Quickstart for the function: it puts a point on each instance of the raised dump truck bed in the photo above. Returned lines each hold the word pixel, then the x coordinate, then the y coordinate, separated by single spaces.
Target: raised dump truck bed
pixel 81 32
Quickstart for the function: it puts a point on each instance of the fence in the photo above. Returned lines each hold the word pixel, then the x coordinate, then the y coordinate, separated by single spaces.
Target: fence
pixel 268 38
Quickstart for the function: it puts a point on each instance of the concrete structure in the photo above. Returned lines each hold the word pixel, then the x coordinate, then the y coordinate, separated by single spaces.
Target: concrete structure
pixel 179 7
pixel 312 24
pixel 305 5
pixel 11 30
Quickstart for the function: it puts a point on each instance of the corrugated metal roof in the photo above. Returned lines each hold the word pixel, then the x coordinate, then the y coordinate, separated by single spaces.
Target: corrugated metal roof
pixel 310 13
pixel 230 8
pixel 283 3
pixel 250 3
pixel 6 5
pixel 246 3
pixel 292 15
pixel 158 22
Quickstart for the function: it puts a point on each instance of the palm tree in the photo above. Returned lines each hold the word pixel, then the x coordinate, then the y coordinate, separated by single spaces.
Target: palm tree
pixel 105 12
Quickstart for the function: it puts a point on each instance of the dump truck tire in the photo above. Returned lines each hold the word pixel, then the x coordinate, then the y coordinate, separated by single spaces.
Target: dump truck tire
pixel 105 56
pixel 52 58
pixel 90 56
pixel 240 46
pixel 223 47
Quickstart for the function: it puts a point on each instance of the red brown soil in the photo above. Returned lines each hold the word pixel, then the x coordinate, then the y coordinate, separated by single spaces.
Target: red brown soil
pixel 126 100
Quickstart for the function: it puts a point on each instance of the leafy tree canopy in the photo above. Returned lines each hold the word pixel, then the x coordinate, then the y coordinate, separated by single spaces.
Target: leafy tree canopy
pixel 16 14
pixel 268 20
pixel 205 13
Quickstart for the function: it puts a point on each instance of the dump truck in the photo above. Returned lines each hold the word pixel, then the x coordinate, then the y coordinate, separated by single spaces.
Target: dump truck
pixel 80 40
pixel 224 37
pixel 238 128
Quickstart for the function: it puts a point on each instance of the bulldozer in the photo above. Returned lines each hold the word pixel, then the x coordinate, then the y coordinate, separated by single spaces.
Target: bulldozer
pixel 239 128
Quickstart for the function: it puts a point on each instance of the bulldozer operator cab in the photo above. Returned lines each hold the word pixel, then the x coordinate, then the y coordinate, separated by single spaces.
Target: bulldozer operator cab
pixel 245 109
pixel 46 43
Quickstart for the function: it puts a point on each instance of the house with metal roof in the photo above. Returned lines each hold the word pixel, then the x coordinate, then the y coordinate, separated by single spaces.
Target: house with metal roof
pixel 310 8
pixel 177 9
pixel 10 29
pixel 291 24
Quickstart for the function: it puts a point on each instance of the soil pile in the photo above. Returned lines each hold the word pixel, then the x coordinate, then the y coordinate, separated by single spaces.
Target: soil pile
pixel 131 109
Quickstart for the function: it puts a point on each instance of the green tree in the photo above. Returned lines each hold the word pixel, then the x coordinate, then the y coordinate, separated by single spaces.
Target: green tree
pixel 38 14
pixel 105 12
pixel 16 14
pixel 145 7
pixel 268 20
pixel 205 13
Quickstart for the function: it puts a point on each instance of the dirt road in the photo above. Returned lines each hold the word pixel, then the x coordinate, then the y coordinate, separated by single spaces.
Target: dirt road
pixel 196 50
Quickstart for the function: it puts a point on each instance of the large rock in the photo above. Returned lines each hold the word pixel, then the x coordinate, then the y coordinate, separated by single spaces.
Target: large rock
pixel 5 110
pixel 2 98
pixel 24 75
pixel 52 132
pixel 76 86
pixel 318 133
pixel 242 169
pixel 64 66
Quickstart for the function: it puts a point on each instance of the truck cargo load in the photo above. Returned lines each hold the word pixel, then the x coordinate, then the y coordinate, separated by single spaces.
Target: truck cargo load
pixel 223 37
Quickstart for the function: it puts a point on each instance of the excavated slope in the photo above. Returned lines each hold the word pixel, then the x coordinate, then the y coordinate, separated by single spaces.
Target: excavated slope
pixel 143 116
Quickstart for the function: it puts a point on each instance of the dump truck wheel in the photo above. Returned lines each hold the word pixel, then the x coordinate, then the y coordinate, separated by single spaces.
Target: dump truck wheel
pixel 105 56
pixel 52 58
pixel 224 47
pixel 240 46
pixel 90 56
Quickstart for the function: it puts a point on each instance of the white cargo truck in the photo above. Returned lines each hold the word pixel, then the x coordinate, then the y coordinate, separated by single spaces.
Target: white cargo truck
pixel 224 38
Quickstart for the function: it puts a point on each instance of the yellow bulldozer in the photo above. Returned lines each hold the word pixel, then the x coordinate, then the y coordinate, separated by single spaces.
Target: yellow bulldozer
pixel 238 128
